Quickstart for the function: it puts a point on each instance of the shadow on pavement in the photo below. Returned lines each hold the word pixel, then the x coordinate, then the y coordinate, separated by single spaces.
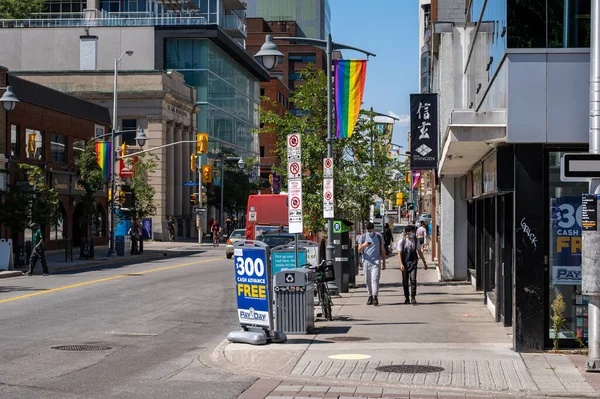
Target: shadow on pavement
pixel 331 330
pixel 307 341
pixel 391 324
pixel 17 289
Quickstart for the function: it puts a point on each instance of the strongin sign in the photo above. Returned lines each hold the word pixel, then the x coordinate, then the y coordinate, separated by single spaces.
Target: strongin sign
pixel 423 131
pixel 252 287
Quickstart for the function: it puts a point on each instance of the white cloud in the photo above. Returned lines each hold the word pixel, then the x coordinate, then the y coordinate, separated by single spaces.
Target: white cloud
pixel 403 120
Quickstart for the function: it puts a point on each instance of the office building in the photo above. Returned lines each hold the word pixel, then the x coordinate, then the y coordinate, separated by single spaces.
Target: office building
pixel 511 103
pixel 312 16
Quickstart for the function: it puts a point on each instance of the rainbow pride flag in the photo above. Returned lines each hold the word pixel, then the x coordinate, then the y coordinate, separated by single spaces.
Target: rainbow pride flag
pixel 349 84
pixel 103 157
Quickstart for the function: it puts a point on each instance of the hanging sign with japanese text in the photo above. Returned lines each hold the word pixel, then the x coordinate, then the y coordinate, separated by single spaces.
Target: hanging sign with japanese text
pixel 423 131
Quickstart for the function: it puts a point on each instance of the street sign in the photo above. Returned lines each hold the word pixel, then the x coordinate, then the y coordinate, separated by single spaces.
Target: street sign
pixel 252 216
pixel 190 183
pixel 198 209
pixel 328 198
pixel 252 287
pixel 294 147
pixel 294 170
pixel 580 167
pixel 328 168
pixel 295 206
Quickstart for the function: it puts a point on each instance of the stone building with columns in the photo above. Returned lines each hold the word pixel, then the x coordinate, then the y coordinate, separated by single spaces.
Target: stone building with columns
pixel 164 106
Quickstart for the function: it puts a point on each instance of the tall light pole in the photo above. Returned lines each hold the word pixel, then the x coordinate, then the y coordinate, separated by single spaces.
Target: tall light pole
pixel 111 249
pixel 268 56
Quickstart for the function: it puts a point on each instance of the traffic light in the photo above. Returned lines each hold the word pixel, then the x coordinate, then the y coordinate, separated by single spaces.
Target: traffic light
pixel 203 198
pixel 202 143
pixel 193 199
pixel 207 174
pixel 193 162
pixel 399 199
pixel 122 196
pixel 408 177
pixel 123 149
pixel 109 195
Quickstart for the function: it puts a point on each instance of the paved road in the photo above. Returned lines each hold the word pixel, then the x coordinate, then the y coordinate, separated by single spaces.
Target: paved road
pixel 156 318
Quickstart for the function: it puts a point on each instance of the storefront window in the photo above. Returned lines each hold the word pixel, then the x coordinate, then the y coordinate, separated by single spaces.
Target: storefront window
pixel 15 141
pixel 78 148
pixel 57 232
pixel 58 148
pixel 565 251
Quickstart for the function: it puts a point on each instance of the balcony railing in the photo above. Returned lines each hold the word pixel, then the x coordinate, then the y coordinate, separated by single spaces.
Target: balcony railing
pixel 232 22
pixel 98 18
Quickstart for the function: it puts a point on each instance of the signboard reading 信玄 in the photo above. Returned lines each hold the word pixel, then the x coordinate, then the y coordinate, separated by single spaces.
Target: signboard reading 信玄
pixel 252 287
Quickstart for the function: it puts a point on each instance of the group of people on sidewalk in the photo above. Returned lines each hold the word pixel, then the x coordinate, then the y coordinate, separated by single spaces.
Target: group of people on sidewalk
pixel 374 248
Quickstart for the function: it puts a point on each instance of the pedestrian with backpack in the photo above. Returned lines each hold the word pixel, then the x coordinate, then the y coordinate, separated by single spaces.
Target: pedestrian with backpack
pixel 409 252
pixel 372 247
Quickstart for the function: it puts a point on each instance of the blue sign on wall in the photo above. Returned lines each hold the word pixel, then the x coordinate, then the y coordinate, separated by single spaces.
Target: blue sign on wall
pixel 252 288
pixel 281 260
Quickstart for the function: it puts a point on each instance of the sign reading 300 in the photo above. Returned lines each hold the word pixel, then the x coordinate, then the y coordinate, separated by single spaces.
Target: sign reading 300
pixel 252 289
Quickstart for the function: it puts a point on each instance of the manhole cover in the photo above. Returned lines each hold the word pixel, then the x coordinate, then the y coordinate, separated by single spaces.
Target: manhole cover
pixel 82 348
pixel 348 339
pixel 409 369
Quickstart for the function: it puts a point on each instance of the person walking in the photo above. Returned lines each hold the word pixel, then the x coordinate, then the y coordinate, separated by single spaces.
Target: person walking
pixel 371 245
pixel 171 228
pixel 134 234
pixel 388 238
pixel 421 234
pixel 38 251
pixel 409 252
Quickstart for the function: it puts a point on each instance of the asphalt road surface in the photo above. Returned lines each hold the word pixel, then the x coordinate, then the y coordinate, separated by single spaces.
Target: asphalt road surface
pixel 156 318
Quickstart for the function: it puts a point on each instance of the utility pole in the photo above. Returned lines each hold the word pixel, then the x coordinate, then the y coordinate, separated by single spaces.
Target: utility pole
pixel 590 266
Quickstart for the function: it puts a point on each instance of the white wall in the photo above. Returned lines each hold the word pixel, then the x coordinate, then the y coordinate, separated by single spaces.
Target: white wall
pixel 453 230
pixel 37 49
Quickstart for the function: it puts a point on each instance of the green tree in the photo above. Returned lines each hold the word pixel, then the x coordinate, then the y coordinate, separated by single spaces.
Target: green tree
pixel 92 180
pixel 143 192
pixel 361 164
pixel 20 9
pixel 236 187
pixel 15 208
pixel 43 201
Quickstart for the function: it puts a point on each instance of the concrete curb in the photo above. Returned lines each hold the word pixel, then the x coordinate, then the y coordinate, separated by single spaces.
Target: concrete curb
pixel 217 359
pixel 11 273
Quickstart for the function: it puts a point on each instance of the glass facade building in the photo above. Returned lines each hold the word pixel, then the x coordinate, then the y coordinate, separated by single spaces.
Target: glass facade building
pixel 228 94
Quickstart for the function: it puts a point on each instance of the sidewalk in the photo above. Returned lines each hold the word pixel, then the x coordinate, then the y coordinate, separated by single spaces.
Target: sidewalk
pixel 152 250
pixel 448 344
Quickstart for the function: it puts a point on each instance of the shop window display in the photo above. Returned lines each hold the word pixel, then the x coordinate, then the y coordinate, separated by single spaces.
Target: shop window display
pixel 565 250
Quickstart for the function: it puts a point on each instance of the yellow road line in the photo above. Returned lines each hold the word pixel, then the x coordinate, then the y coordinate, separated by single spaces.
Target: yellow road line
pixel 66 287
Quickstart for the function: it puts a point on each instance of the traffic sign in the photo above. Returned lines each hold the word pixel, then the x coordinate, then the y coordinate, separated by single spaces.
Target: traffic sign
pixel 198 209
pixel 328 198
pixel 580 167
pixel 294 147
pixel 190 183
pixel 294 170
pixel 295 206
pixel 328 168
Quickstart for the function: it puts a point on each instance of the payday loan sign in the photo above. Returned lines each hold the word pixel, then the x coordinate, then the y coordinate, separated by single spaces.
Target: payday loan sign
pixel 252 287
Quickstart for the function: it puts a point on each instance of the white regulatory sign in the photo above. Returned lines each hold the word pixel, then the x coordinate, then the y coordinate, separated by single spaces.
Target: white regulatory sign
pixel 295 206
pixel 294 170
pixel 294 148
pixel 252 216
pixel 328 198
pixel 327 168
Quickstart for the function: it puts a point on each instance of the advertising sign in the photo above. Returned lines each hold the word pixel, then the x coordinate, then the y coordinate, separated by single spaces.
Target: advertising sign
pixel 328 198
pixel 566 275
pixel 565 239
pixel 589 212
pixel 252 289
pixel 423 131
pixel 295 206
pixel 284 260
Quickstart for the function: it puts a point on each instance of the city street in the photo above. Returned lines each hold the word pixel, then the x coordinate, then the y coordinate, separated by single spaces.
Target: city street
pixel 156 318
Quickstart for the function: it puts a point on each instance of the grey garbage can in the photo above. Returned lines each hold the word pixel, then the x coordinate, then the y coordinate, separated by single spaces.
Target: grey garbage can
pixel 123 245
pixel 294 301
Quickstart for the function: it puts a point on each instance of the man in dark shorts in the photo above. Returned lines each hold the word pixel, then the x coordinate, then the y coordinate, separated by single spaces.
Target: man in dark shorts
pixel 422 233
pixel 409 252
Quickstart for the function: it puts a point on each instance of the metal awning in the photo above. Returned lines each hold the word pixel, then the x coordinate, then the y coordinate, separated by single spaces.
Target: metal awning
pixel 178 5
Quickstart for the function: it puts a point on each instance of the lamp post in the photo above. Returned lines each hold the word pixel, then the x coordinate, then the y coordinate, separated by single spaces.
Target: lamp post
pixel 241 164
pixel 268 57
pixel 111 220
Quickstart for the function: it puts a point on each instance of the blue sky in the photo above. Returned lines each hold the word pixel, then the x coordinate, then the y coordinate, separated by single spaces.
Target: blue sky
pixel 388 28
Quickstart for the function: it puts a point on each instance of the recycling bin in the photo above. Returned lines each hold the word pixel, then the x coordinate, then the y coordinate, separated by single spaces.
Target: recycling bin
pixel 294 301
pixel 123 245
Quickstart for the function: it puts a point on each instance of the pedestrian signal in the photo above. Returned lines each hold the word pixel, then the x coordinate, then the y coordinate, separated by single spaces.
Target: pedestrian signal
pixel 193 199
pixel 207 175
pixel 202 143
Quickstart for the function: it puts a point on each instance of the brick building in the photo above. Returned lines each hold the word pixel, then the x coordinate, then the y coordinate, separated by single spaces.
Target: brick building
pixel 58 126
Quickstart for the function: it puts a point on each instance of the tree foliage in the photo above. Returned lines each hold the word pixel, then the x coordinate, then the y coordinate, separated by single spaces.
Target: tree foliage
pixel 361 163
pixel 143 192
pixel 91 179
pixel 20 9
pixel 14 209
pixel 43 201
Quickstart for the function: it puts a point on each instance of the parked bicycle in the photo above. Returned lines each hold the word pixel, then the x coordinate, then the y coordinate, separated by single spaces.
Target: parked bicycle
pixel 323 274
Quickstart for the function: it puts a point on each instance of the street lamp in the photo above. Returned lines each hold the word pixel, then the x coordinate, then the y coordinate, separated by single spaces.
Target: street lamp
pixel 111 249
pixel 9 100
pixel 268 56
